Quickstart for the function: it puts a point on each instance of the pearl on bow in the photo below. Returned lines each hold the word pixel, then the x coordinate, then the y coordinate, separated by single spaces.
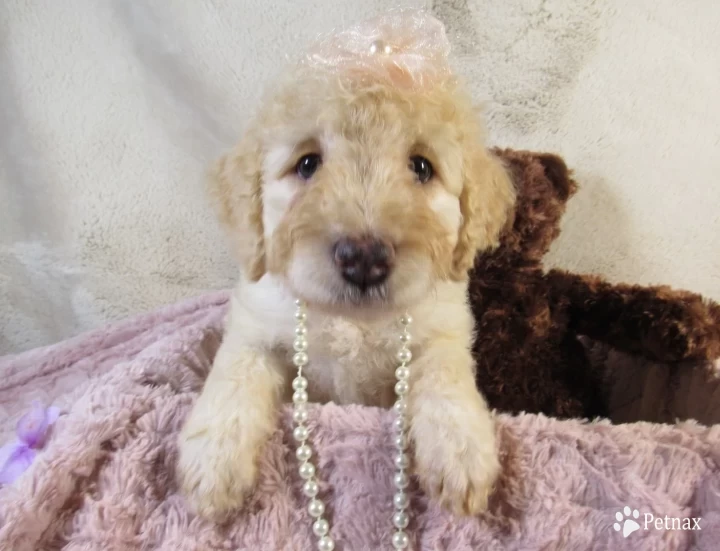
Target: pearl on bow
pixel 380 47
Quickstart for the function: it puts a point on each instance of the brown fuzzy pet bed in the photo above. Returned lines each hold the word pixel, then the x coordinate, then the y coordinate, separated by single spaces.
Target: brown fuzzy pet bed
pixel 105 478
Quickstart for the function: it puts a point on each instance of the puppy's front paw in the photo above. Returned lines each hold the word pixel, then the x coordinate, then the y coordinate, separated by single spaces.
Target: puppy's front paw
pixel 216 470
pixel 455 458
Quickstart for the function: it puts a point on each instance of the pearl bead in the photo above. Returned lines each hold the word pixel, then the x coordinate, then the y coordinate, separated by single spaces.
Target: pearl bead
pixel 400 407
pixel 300 344
pixel 406 319
pixel 299 383
pixel 402 461
pixel 399 423
pixel 301 433
pixel 401 519
pixel 402 372
pixel 303 453
pixel 326 543
pixel 300 415
pixel 306 470
pixel 300 396
pixel 300 359
pixel 404 355
pixel 299 303
pixel 301 331
pixel 405 337
pixel 400 540
pixel 321 527
pixel 401 441
pixel 401 480
pixel 400 500
pixel 316 508
pixel 401 388
pixel 311 488
pixel 300 315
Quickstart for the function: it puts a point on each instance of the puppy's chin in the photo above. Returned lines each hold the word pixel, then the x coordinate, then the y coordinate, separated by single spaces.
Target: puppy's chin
pixel 316 281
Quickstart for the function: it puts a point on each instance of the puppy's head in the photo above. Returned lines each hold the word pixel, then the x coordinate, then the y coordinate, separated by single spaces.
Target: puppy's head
pixel 358 190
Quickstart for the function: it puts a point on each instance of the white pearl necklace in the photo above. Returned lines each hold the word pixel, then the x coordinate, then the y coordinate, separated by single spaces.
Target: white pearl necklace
pixel 304 452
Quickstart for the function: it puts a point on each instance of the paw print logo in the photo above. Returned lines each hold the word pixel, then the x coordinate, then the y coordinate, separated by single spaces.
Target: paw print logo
pixel 625 522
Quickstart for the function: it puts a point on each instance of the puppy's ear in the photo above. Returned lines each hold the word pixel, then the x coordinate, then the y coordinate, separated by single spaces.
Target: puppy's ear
pixel 486 202
pixel 235 186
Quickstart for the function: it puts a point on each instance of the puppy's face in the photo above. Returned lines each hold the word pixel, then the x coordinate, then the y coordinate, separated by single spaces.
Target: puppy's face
pixel 362 195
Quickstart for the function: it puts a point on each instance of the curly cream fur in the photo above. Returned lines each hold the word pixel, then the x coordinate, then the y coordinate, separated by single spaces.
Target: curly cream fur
pixel 283 228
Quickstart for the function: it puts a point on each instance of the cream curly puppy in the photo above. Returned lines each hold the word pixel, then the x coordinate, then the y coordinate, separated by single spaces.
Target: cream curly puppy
pixel 366 194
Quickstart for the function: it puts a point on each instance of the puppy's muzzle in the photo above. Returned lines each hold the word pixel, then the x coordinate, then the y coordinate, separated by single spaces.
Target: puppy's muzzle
pixel 364 262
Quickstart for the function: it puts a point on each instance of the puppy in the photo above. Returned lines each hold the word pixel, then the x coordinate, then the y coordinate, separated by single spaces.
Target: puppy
pixel 367 194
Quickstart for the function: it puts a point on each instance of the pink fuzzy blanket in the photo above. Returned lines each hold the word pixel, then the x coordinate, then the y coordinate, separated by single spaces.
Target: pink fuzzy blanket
pixel 105 480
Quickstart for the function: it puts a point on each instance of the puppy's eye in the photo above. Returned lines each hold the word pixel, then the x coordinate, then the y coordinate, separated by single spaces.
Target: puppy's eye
pixel 308 165
pixel 422 168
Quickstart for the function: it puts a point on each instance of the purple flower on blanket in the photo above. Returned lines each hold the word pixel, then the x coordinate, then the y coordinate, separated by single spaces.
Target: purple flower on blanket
pixel 32 430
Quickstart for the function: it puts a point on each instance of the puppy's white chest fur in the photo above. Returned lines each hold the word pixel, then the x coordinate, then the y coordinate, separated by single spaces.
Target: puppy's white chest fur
pixel 351 361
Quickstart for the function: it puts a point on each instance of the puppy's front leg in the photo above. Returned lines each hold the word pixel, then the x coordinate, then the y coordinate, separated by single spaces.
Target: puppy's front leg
pixel 454 434
pixel 228 427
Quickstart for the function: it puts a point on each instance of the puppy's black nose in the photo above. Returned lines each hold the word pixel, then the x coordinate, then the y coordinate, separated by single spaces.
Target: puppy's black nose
pixel 363 261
